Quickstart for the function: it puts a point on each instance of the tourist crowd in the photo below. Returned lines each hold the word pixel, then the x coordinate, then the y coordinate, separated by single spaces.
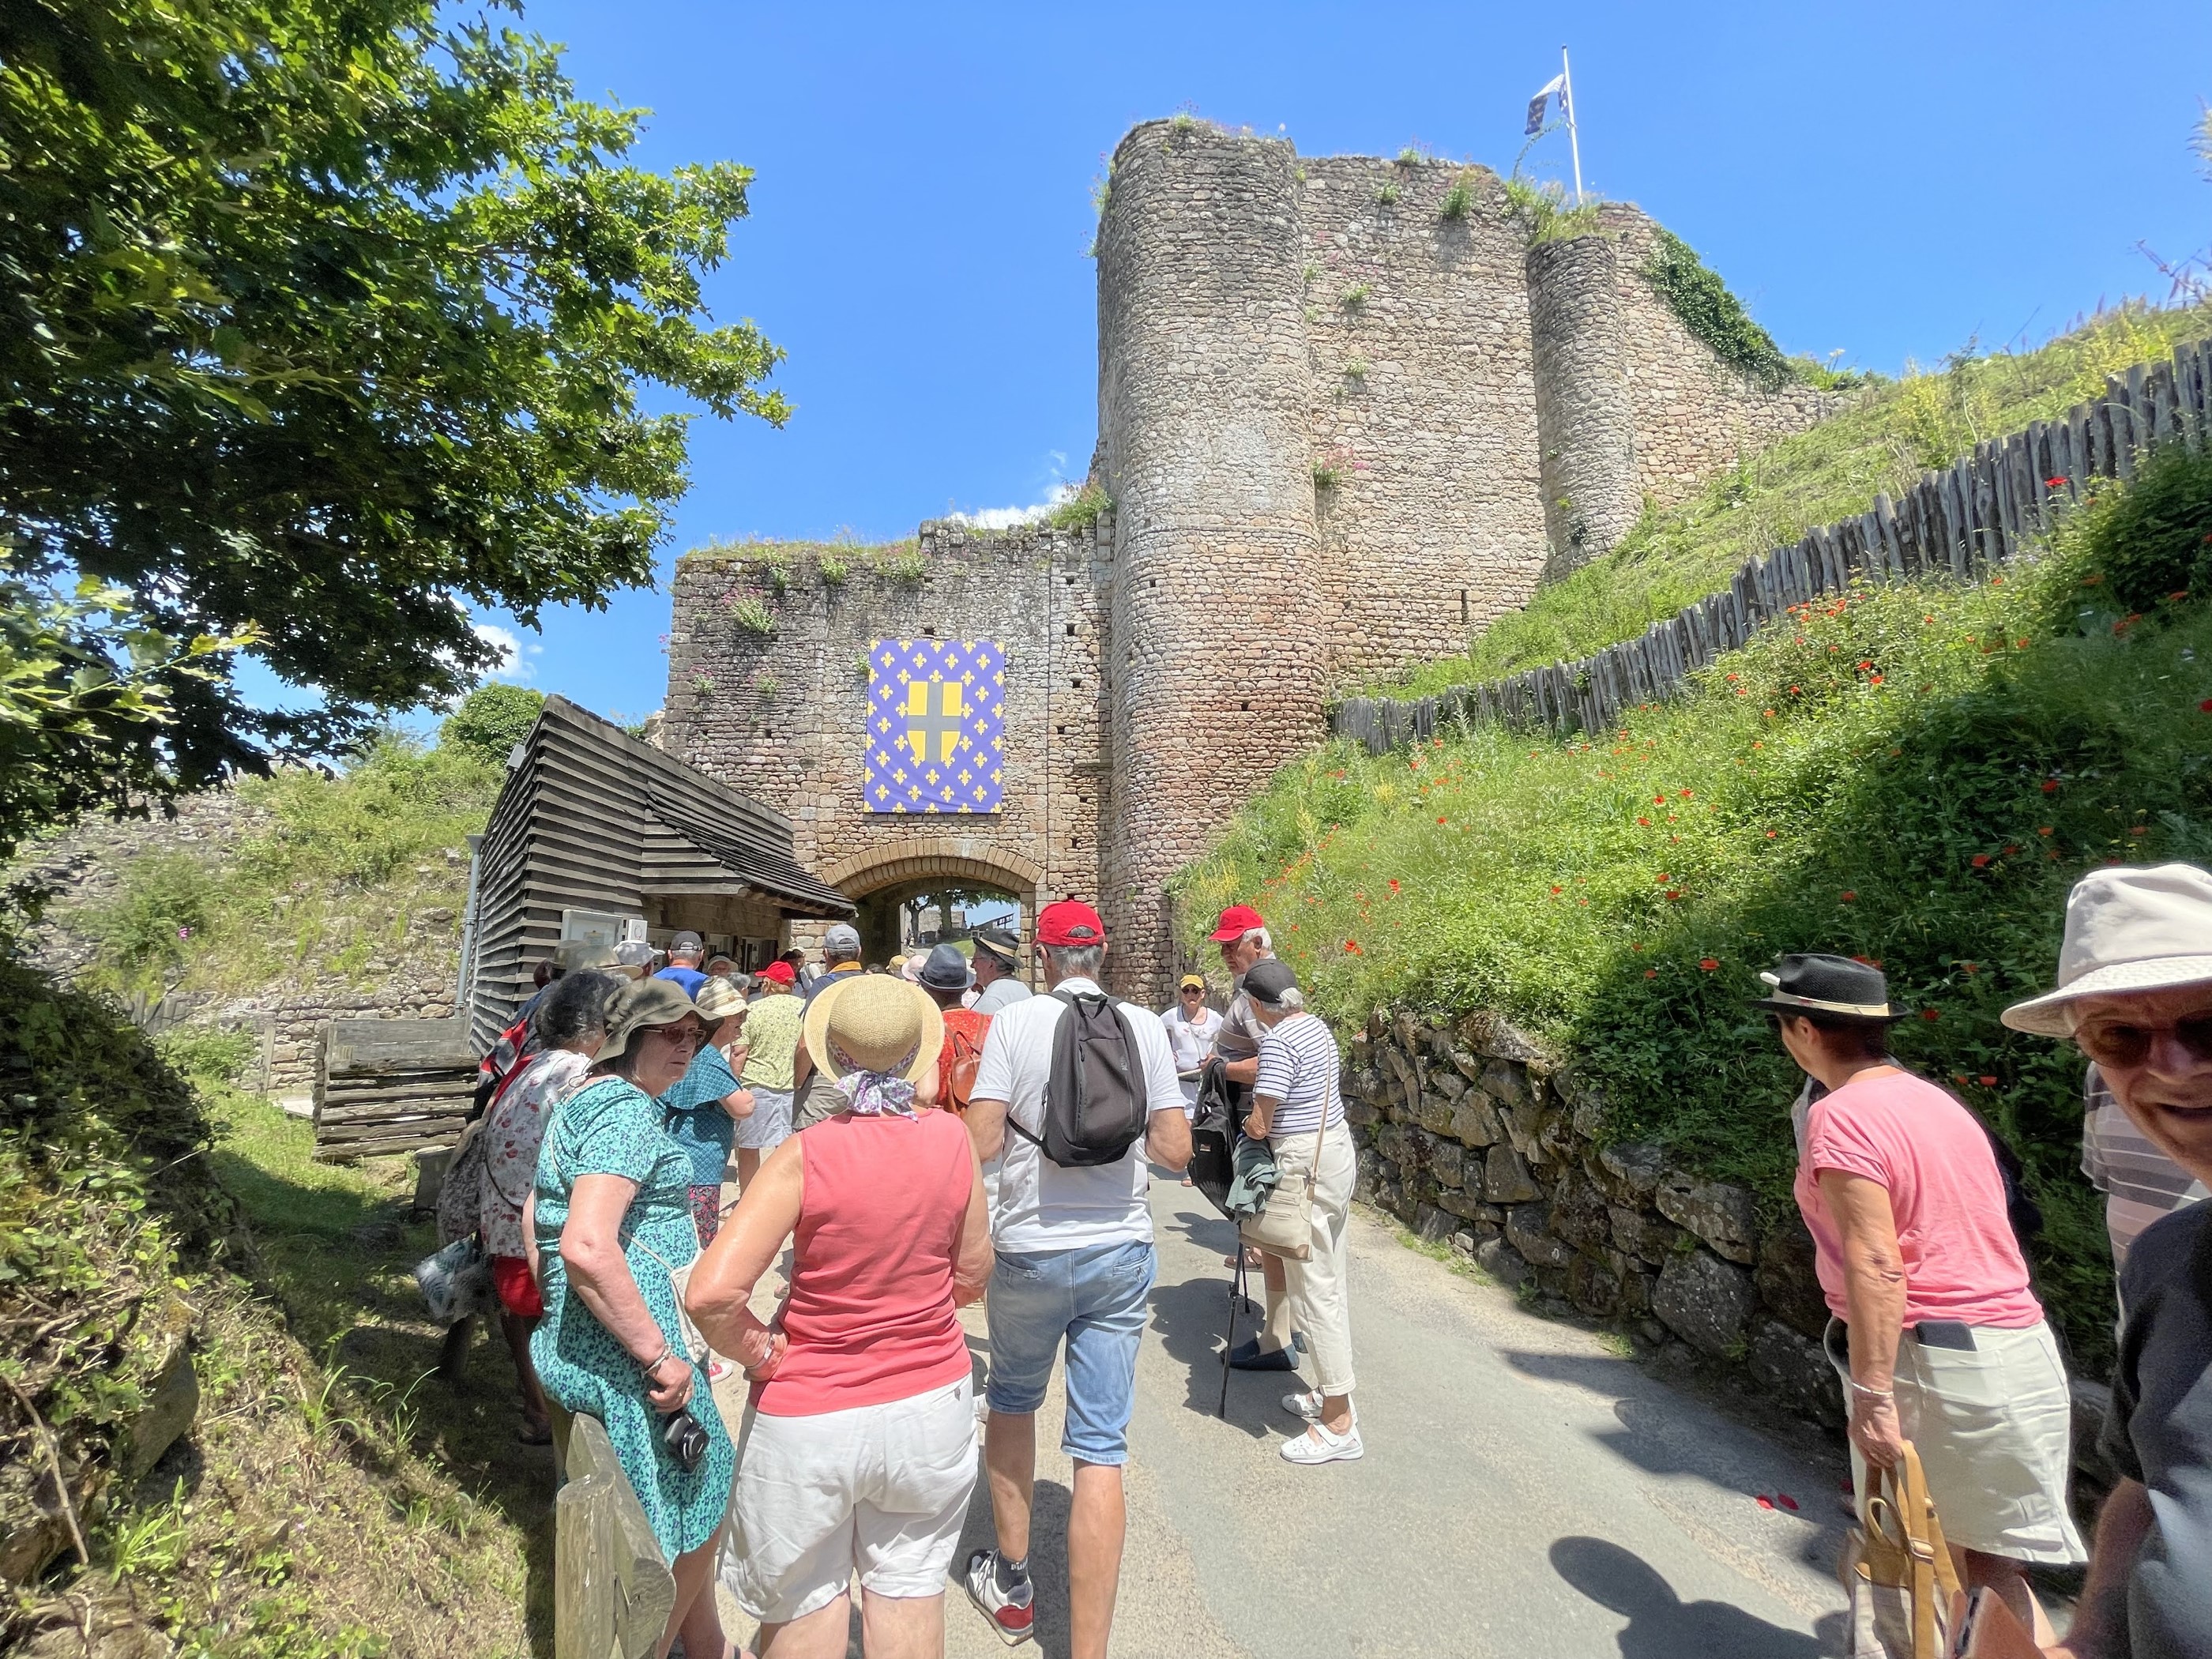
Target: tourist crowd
pixel 911 1140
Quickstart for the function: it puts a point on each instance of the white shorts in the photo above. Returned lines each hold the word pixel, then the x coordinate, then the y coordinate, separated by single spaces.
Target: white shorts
pixel 768 1124
pixel 881 1490
pixel 1993 1425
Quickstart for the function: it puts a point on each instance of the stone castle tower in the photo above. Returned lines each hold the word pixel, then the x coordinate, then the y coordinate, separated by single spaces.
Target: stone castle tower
pixel 1345 416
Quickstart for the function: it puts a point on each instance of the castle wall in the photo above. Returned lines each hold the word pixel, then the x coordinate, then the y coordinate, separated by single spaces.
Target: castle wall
pixel 1217 620
pixel 1584 408
pixel 1424 408
pixel 1694 414
pixel 782 716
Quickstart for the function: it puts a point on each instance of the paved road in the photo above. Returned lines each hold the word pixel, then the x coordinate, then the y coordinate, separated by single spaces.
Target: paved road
pixel 1525 1492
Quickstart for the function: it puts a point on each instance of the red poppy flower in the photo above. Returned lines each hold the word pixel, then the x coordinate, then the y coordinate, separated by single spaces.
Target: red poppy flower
pixel 1980 861
pixel 2045 831
pixel 2176 596
pixel 1686 795
pixel 1351 948
pixel 1970 967
pixel 1440 820
pixel 2009 851
pixel 2140 829
pixel 1650 973
pixel 1874 680
pixel 1646 822
pixel 1658 800
pixel 1673 894
pixel 1555 891
pixel 1770 834
pixel 2019 645
pixel 1664 878
pixel 1931 1014
pixel 2051 785
pixel 1847 896
pixel 1986 1081
pixel 1707 963
pixel 1635 947
pixel 1393 884
pixel 2054 483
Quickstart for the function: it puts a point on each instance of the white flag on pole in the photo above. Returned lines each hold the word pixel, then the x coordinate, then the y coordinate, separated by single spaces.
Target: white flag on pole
pixel 1556 84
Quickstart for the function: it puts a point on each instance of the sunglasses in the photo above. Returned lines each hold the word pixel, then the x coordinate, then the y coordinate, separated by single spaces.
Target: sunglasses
pixel 2125 1045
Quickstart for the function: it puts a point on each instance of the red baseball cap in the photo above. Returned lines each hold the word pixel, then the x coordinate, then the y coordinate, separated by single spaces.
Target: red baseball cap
pixel 779 972
pixel 1237 921
pixel 1070 921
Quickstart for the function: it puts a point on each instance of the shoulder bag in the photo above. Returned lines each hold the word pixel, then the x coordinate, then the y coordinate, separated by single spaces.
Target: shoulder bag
pixel 1284 1226
pixel 1897 1572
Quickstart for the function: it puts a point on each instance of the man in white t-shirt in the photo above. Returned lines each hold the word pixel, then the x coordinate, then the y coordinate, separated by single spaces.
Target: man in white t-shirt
pixel 1191 1027
pixel 1075 1266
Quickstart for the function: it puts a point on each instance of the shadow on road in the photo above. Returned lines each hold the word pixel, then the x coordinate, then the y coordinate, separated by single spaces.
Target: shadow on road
pixel 1048 1559
pixel 1191 1317
pixel 1660 1624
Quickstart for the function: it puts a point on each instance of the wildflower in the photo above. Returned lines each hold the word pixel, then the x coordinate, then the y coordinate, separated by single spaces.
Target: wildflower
pixel 1351 948
pixel 1928 619
pixel 1865 665
pixel 2009 851
pixel 2176 596
pixel 1986 1081
pixel 2051 785
pixel 1635 947
pixel 1875 680
pixel 1646 822
pixel 1931 1014
pixel 1673 893
pixel 1980 861
pixel 1970 967
pixel 1793 690
pixel 2205 707
pixel 1686 795
pixel 1555 891
pixel 1847 896
pixel 1770 834
pixel 1658 800
pixel 2054 483
pixel 2140 829
pixel 1707 963
pixel 1664 878
pixel 1650 973
pixel 1770 713
pixel 1441 820
pixel 2044 829
pixel 1959 1078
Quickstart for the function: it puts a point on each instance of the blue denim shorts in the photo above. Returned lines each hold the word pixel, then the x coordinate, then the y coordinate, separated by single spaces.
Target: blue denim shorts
pixel 1093 1297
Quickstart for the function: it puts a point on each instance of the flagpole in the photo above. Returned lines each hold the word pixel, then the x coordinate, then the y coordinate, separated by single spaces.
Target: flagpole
pixel 1574 139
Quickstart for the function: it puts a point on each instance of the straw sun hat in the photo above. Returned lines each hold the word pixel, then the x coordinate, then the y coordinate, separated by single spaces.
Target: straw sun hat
pixel 874 1023
pixel 717 999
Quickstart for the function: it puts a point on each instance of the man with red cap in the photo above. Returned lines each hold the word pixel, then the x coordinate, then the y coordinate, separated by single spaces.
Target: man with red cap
pixel 1075 1267
pixel 1242 935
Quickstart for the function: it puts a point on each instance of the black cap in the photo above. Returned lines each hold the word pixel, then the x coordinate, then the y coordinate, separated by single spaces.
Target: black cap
pixel 1840 987
pixel 1265 980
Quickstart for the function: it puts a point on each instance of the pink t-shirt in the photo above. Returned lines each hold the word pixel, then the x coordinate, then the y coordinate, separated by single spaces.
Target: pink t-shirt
pixel 1931 1155
pixel 870 1318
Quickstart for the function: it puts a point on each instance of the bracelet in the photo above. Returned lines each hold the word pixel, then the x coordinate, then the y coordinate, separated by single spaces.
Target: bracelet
pixel 655 1363
pixel 1872 1393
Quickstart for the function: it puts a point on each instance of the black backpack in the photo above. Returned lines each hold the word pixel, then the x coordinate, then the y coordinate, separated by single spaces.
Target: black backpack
pixel 1213 1131
pixel 1095 1097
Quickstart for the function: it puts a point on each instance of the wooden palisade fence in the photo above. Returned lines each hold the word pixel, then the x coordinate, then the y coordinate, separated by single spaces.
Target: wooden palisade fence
pixel 1956 524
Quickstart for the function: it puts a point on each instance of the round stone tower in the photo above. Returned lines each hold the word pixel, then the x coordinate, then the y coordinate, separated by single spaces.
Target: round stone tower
pixel 1585 423
pixel 1214 662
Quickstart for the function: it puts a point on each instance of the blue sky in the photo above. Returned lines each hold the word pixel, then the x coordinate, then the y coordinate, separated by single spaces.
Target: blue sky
pixel 1888 179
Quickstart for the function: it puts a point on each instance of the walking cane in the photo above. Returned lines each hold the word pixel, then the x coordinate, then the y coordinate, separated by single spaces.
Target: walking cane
pixel 1236 1293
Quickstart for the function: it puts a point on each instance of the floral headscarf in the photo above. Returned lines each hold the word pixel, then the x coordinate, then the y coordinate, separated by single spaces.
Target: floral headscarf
pixel 876 1093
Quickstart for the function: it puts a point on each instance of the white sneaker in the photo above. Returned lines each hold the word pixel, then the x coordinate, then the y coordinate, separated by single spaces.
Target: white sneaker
pixel 1318 1445
pixel 1307 1406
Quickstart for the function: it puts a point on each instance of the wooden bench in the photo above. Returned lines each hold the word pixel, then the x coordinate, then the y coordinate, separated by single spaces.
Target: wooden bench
pixel 612 1593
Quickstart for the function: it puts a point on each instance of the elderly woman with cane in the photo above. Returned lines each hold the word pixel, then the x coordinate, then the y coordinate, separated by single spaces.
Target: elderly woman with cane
pixel 859 1446
pixel 610 1221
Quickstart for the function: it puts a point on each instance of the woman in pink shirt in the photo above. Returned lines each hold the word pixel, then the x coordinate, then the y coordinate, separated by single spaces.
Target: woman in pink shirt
pixel 858 1450
pixel 1935 1333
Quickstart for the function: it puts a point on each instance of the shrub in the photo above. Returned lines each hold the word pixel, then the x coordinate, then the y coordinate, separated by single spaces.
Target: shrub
pixel 2150 547
pixel 490 721
pixel 907 567
pixel 1458 200
pixel 833 568
pixel 1081 510
pixel 1355 369
pixel 750 612
pixel 1388 196
pixel 1355 296
pixel 144 935
pixel 1543 213
pixel 765 684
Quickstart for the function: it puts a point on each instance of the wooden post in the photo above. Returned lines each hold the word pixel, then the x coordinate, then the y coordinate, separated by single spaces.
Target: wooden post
pixel 612 1593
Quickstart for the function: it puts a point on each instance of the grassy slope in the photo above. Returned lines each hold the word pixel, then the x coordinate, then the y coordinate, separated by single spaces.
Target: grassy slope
pixel 354 873
pixel 1916 774
pixel 1884 440
pixel 322 1503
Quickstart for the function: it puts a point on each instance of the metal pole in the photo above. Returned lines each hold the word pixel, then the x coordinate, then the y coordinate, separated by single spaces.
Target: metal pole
pixel 1574 138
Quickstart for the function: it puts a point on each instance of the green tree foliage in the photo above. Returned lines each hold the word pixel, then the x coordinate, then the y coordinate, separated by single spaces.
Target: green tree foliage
pixel 324 319
pixel 491 720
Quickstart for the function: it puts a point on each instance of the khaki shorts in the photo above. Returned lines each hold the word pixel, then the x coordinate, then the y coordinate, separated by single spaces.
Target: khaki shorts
pixel 1993 1424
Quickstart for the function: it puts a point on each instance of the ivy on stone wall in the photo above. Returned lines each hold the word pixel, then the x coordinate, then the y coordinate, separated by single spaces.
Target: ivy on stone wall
pixel 1697 295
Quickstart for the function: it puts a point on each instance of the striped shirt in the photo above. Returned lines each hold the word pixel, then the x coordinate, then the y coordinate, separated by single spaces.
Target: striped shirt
pixel 1300 1071
pixel 2140 1184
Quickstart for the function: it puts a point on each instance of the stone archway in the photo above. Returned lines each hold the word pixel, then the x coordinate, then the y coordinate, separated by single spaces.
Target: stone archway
pixel 877 878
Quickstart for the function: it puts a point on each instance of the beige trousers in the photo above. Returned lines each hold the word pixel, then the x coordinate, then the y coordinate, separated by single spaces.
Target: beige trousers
pixel 1319 1291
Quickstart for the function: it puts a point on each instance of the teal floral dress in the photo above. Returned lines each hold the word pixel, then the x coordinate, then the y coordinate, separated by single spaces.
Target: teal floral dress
pixel 613 1127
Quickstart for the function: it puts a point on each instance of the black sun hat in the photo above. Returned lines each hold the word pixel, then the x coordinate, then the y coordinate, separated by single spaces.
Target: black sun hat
pixel 1842 988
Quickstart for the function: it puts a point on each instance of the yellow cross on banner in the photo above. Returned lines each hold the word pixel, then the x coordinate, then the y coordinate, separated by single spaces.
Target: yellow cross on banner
pixel 934 714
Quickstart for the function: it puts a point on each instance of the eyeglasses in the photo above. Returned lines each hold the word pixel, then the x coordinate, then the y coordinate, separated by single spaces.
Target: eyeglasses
pixel 2125 1045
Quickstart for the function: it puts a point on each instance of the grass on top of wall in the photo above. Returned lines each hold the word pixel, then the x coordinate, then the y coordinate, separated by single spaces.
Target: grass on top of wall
pixel 1915 774
pixel 1883 440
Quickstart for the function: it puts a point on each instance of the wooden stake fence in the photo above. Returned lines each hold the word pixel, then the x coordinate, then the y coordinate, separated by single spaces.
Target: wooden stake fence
pixel 1954 524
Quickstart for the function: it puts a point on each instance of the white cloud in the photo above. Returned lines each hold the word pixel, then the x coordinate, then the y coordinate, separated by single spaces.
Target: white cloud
pixel 513 665
pixel 1005 517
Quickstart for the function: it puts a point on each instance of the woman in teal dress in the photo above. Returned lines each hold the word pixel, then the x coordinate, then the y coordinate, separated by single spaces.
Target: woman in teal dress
pixel 611 1217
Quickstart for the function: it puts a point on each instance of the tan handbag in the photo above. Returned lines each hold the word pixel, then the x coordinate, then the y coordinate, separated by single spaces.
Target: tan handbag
pixel 1897 1572
pixel 1284 1226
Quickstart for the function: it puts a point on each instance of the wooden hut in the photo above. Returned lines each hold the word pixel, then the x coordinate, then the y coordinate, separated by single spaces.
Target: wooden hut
pixel 595 829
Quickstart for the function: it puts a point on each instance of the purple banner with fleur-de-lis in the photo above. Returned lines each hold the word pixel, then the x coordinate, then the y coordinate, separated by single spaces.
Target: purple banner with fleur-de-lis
pixel 936 742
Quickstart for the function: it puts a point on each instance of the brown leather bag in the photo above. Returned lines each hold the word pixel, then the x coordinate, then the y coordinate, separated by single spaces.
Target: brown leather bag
pixel 1897 1572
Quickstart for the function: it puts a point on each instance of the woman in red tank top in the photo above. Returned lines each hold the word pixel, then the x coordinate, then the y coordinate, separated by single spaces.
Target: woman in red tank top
pixel 858 1450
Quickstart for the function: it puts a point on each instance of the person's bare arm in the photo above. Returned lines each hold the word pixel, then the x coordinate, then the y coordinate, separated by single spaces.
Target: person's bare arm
pixel 719 1296
pixel 738 1102
pixel 1246 1071
pixel 802 1067
pixel 530 1235
pixel 986 1127
pixel 2100 1619
pixel 1260 1121
pixel 971 1272
pixel 592 1254
pixel 1167 1139
pixel 1874 1294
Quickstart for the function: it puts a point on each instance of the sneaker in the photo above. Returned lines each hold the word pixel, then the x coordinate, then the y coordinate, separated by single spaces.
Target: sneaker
pixel 1307 1406
pixel 1012 1613
pixel 1318 1445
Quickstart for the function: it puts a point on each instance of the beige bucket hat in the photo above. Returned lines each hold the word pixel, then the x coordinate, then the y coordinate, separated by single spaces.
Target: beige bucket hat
pixel 639 1005
pixel 717 999
pixel 874 1023
pixel 2127 929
